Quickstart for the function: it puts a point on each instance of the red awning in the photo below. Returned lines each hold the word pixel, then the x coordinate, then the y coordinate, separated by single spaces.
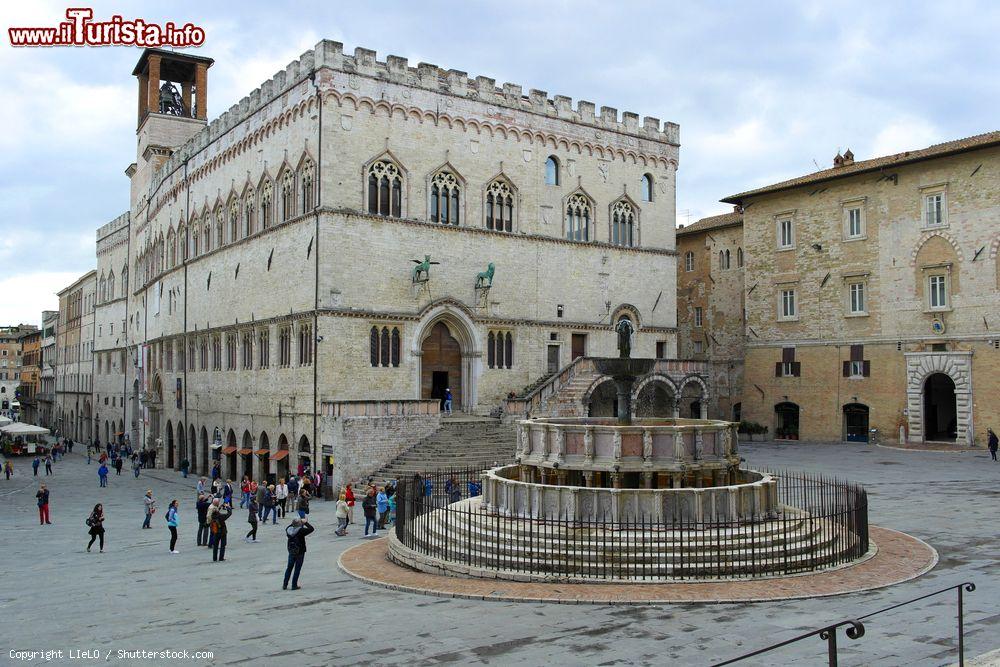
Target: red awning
pixel 280 454
pixel 244 452
pixel 228 450
pixel 262 452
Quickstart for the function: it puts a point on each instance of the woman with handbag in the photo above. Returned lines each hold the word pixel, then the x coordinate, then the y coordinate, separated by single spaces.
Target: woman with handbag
pixel 96 523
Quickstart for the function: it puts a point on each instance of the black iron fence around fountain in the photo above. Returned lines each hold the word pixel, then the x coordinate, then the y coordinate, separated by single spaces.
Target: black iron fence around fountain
pixel 822 523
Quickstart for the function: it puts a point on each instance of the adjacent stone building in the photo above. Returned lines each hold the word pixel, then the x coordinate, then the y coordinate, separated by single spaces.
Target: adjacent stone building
pixel 46 397
pixel 365 230
pixel 10 362
pixel 116 410
pixel 74 365
pixel 30 375
pixel 711 324
pixel 873 297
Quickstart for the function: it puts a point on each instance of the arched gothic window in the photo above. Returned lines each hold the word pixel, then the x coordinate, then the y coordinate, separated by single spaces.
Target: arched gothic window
pixel 234 220
pixel 248 211
pixel 306 178
pixel 220 227
pixel 287 195
pixel 100 290
pixel 727 258
pixel 171 249
pixel 500 206
pixel 445 198
pixel 385 189
pixel 739 257
pixel 578 218
pixel 723 259
pixel 265 206
pixel 110 294
pixel 207 234
pixel 623 224
pixel 384 347
pixel 194 241
pixel 552 170
pixel 124 280
pixel 500 349
pixel 647 187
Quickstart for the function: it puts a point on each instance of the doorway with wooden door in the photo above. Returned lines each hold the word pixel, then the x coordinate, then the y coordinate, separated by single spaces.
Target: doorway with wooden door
pixel 441 365
pixel 553 359
pixel 579 344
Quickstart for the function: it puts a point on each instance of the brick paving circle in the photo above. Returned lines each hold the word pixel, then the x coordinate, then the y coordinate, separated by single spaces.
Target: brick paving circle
pixel 900 557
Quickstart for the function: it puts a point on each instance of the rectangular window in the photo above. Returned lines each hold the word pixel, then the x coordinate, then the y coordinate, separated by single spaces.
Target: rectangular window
pixel 305 345
pixel 934 209
pixel 661 349
pixel 698 316
pixel 855 229
pixel 263 349
pixel 699 347
pixel 856 366
pixel 858 305
pixel 786 234
pixel 285 347
pixel 787 367
pixel 247 350
pixel 231 352
pixel 938 292
pixel 789 308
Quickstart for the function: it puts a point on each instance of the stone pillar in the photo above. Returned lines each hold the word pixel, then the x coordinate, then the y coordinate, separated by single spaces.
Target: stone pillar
pixel 704 407
pixel 153 89
pixel 186 97
pixel 143 95
pixel 588 478
pixel 647 479
pixel 200 92
pixel 677 409
pixel 624 390
pixel 616 480
pixel 677 480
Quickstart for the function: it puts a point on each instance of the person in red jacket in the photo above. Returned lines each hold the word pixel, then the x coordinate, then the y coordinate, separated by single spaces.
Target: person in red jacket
pixel 349 496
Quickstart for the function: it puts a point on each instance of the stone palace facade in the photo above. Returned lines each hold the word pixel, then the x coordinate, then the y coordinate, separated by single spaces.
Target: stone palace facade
pixel 364 230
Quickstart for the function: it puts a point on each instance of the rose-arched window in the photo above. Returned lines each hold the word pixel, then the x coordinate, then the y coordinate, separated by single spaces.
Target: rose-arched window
pixel 623 223
pixel 578 218
pixel 500 206
pixel 445 192
pixel 385 189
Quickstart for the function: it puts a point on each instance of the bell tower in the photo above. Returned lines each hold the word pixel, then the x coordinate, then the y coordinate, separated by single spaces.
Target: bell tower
pixel 173 107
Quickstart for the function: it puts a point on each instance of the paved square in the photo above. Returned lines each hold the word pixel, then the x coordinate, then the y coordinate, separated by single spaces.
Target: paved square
pixel 139 596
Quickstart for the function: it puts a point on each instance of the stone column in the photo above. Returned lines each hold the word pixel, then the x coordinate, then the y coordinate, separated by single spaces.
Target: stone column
pixel 588 478
pixel 153 89
pixel 201 90
pixel 186 97
pixel 143 95
pixel 616 480
pixel 647 478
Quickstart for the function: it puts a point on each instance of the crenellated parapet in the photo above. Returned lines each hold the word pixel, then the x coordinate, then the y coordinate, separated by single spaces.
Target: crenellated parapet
pixel 397 70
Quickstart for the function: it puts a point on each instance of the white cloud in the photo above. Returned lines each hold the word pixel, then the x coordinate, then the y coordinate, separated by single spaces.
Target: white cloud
pixel 26 295
pixel 904 134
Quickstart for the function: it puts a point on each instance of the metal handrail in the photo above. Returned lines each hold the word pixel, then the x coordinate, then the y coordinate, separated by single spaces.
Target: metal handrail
pixel 856 629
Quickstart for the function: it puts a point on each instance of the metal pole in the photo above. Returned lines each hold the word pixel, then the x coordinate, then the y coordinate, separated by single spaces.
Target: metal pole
pixel 961 630
pixel 831 646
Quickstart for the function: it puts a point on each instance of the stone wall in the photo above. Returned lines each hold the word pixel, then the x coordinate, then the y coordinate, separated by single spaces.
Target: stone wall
pixel 364 436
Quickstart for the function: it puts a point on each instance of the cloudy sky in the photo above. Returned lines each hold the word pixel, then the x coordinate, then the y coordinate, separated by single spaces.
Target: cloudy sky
pixel 762 91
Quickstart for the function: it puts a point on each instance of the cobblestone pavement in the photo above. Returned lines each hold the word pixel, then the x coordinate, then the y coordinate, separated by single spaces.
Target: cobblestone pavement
pixel 54 595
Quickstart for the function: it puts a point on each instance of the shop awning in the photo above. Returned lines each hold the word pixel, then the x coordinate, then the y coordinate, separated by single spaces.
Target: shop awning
pixel 20 428
pixel 246 451
pixel 280 454
pixel 262 452
pixel 229 450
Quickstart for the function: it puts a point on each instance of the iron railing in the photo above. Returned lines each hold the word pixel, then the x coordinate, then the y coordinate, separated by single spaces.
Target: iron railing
pixel 856 629
pixel 823 522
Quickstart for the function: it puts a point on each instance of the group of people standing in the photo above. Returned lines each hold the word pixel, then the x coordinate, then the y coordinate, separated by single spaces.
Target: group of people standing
pixel 378 505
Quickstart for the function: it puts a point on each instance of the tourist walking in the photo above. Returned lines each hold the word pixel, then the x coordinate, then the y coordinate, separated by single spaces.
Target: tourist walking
pixel 219 531
pixel 102 474
pixel 201 506
pixel 34 465
pixel 227 493
pixel 447 400
pixel 453 489
pixel 270 505
pixel 370 507
pixel 303 504
pixel 118 465
pixel 136 466
pixel 201 486
pixel 244 491
pixel 8 469
pixel 349 496
pixel 260 495
pixel 252 520
pixel 150 506
pixel 172 521
pixel 281 493
pixel 382 502
pixel 43 505
pixel 293 492
pixel 296 533
pixel 992 442
pixel 185 466
pixel 342 515
pixel 96 523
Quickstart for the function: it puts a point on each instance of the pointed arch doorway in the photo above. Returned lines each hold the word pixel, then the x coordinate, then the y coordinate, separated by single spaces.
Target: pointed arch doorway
pixel 448 356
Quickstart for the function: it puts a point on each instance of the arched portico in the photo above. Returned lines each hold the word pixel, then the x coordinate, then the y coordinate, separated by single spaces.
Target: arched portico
pixel 441 362
pixel 654 396
pixel 693 392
